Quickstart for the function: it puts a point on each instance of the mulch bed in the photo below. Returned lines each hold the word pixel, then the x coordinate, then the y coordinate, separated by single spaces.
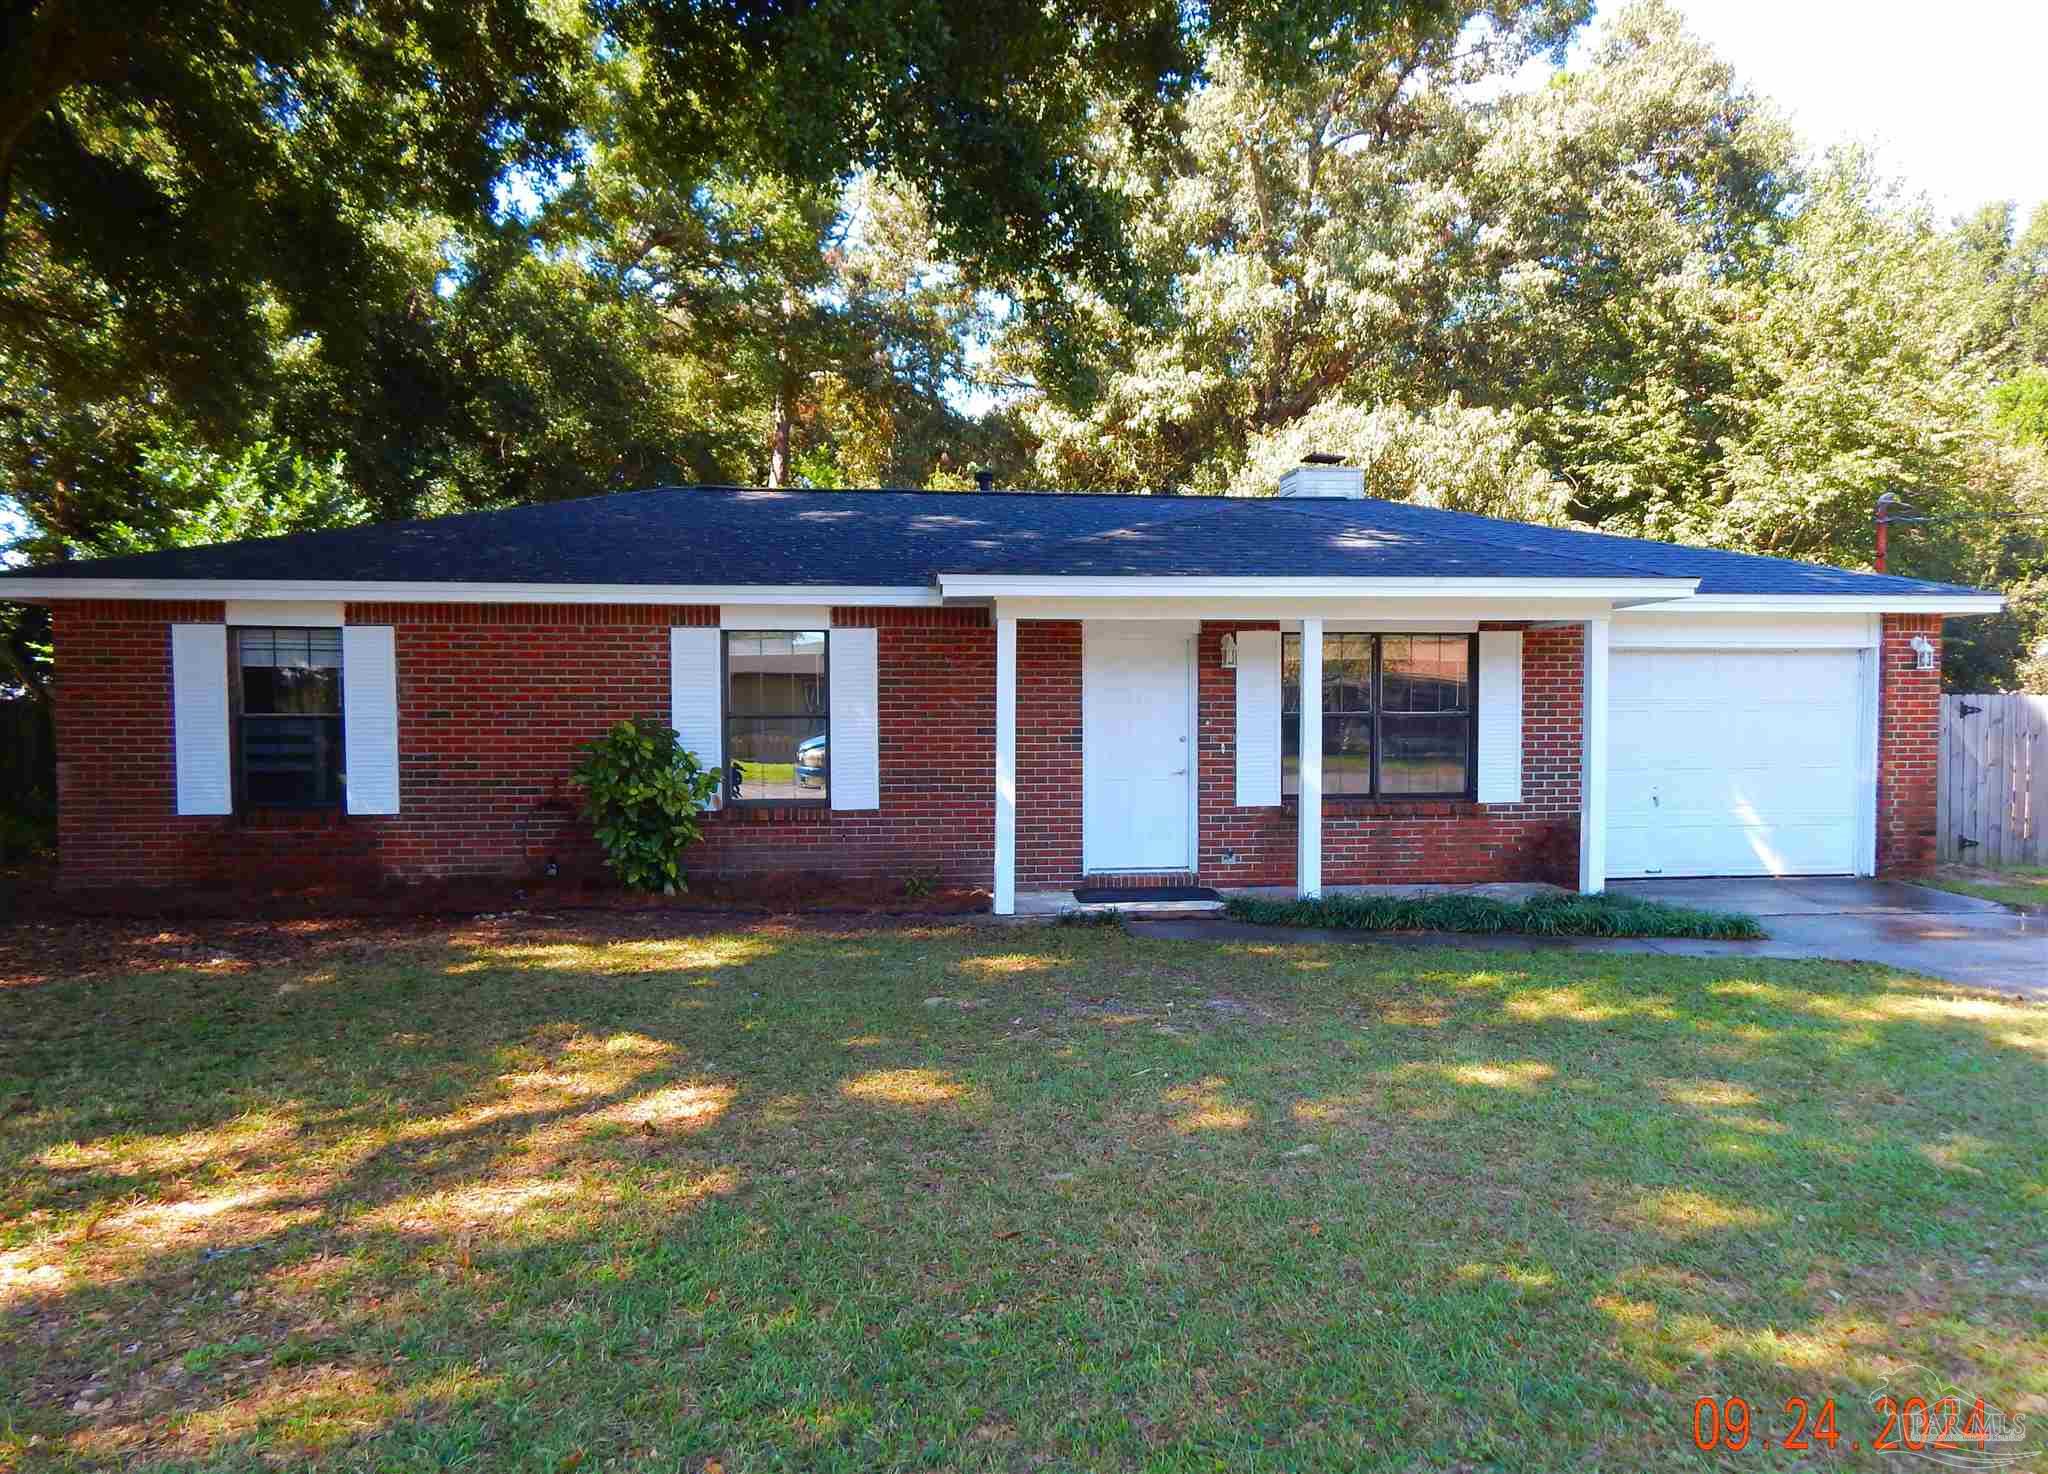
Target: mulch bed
pixel 29 894
pixel 47 934
pixel 80 949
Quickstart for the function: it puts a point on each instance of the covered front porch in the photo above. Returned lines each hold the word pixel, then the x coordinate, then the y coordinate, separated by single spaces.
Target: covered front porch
pixel 1457 735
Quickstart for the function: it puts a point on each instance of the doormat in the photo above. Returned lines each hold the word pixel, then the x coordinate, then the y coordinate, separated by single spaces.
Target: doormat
pixel 1125 895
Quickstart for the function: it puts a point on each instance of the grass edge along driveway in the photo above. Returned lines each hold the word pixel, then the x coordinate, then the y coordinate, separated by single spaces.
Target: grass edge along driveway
pixel 2021 886
pixel 533 1195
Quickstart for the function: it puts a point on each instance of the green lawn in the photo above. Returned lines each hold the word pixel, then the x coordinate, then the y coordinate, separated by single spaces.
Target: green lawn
pixel 534 1195
pixel 2025 886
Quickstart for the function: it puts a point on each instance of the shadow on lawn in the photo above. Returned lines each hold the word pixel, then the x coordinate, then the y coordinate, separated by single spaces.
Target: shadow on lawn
pixel 513 1196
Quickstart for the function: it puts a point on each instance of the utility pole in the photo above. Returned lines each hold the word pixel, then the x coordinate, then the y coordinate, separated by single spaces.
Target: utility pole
pixel 1890 509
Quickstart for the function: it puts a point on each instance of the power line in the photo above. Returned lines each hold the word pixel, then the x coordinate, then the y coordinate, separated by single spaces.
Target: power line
pixel 1971 517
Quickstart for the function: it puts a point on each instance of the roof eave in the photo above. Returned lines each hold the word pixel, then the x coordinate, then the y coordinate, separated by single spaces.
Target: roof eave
pixel 1624 591
pixel 1971 602
pixel 31 590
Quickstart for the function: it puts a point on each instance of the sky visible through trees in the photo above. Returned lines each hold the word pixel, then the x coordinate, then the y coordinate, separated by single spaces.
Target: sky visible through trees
pixel 366 263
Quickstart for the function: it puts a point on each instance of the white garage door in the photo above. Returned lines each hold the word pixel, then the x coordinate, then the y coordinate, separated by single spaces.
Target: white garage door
pixel 1733 762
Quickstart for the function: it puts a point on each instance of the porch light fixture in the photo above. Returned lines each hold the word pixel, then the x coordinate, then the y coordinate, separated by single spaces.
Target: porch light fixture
pixel 1229 661
pixel 1923 653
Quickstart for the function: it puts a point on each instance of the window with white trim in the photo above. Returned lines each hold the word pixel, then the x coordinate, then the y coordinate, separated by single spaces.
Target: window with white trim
pixel 777 717
pixel 287 713
pixel 1398 715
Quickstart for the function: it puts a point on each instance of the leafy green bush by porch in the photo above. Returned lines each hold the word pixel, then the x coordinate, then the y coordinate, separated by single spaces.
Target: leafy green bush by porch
pixel 642 792
pixel 1543 916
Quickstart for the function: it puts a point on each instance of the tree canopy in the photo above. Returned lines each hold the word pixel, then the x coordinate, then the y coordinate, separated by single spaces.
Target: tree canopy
pixel 212 213
pixel 1627 299
pixel 301 263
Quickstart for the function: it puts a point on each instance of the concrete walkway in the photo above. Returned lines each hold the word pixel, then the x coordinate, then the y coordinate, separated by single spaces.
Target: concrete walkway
pixel 1959 939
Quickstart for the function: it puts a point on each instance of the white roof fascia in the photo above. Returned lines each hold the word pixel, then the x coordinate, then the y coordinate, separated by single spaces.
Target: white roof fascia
pixel 1021 586
pixel 1970 603
pixel 45 589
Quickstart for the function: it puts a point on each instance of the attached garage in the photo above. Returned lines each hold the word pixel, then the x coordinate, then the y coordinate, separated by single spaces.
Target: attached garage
pixel 1737 758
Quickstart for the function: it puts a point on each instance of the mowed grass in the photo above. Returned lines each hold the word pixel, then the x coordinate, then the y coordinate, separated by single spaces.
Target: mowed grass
pixel 531 1195
pixel 2025 886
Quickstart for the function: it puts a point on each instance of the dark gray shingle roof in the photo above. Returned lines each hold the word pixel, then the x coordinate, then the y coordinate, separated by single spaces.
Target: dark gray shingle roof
pixel 733 535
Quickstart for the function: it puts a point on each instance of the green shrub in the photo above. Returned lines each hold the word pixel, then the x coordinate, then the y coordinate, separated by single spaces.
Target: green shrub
pixel 1552 916
pixel 642 792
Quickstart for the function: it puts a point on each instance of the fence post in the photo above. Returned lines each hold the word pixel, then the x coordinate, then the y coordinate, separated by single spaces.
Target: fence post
pixel 1945 768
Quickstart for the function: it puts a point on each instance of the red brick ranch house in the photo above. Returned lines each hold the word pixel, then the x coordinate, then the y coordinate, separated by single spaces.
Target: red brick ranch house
pixel 1012 690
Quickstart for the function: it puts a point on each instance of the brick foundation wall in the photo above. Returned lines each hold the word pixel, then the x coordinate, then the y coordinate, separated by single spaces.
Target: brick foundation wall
pixel 1908 746
pixel 1368 841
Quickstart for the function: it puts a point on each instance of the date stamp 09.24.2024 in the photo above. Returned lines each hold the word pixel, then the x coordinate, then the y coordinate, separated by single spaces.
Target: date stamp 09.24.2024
pixel 1945 1427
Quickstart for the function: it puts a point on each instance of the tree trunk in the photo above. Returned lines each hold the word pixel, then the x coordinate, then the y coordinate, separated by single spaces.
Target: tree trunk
pixel 778 453
pixel 785 399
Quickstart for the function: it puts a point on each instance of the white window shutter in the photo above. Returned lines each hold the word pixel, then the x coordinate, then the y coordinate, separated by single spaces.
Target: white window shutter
pixel 696 698
pixel 369 717
pixel 199 718
pixel 1258 718
pixel 856 743
pixel 1500 716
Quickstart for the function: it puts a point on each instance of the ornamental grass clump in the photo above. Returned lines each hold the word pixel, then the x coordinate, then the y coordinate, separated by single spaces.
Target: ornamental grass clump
pixel 643 792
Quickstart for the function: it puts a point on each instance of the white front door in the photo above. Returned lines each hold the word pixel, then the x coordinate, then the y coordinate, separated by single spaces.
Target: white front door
pixel 1136 751
pixel 1733 762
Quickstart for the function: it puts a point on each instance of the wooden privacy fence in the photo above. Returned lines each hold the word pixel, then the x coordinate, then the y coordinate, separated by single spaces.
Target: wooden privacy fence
pixel 1993 804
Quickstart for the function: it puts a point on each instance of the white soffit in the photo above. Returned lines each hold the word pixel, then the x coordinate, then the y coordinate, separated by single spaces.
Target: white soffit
pixel 1391 626
pixel 1685 628
pixel 776 617
pixel 308 612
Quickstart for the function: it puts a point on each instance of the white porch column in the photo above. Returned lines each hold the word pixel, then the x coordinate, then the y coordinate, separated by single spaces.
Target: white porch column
pixel 1308 859
pixel 1593 762
pixel 1006 767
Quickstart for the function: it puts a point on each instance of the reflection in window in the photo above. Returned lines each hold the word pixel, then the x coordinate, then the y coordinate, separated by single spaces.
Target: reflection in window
pixel 288 716
pixel 775 717
pixel 1425 713
pixel 1397 714
pixel 1347 714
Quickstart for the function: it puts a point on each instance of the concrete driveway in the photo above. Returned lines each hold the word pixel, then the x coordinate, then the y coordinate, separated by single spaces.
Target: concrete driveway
pixel 1957 938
